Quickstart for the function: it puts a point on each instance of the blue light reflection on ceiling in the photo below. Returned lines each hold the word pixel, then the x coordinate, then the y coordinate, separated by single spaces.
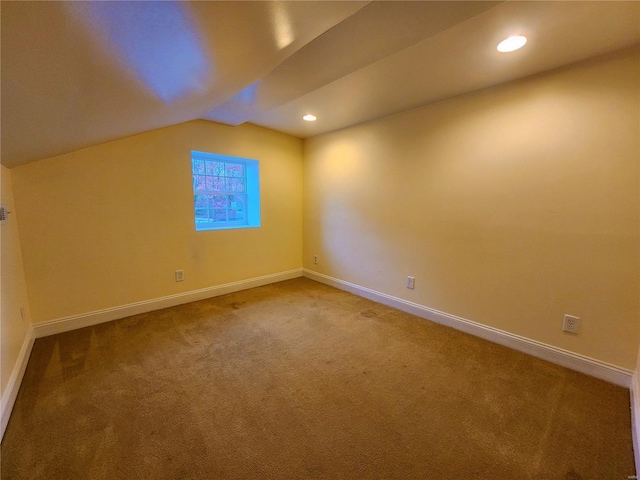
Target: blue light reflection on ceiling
pixel 248 95
pixel 239 108
pixel 157 40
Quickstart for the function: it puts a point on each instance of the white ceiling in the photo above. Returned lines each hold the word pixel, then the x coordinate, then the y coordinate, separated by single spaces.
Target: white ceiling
pixel 75 74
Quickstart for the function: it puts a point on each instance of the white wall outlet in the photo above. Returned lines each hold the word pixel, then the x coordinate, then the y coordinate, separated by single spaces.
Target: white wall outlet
pixel 571 324
pixel 315 259
pixel 179 275
pixel 411 282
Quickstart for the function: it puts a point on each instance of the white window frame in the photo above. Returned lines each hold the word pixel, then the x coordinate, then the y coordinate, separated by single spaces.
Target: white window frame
pixel 251 194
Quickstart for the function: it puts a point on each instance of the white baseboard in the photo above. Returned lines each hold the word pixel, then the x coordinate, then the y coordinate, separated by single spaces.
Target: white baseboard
pixel 100 316
pixel 595 368
pixel 635 419
pixel 13 386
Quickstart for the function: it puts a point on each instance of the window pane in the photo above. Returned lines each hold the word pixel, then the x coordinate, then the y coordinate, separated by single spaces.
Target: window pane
pixel 236 215
pixel 198 182
pixel 218 169
pixel 236 202
pixel 209 168
pixel 218 184
pixel 200 201
pixel 210 185
pixel 220 215
pixel 202 213
pixel 235 170
pixel 219 201
pixel 197 166
pixel 235 185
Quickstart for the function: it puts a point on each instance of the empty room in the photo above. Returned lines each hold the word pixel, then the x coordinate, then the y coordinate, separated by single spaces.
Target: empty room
pixel 320 240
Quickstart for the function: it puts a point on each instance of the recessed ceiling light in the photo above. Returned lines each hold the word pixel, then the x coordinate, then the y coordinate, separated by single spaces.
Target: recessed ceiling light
pixel 512 43
pixel 309 118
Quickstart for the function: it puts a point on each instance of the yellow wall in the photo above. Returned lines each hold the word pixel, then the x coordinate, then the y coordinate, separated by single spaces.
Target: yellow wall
pixel 511 206
pixel 13 327
pixel 108 225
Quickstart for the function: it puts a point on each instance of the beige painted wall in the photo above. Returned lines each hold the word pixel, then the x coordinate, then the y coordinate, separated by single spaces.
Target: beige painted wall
pixel 13 327
pixel 511 206
pixel 108 225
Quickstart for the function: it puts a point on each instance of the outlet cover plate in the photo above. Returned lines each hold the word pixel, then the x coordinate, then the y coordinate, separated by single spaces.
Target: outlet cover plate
pixel 571 324
pixel 411 282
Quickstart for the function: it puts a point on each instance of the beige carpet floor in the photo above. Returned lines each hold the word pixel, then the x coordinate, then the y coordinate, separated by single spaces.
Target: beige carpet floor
pixel 298 380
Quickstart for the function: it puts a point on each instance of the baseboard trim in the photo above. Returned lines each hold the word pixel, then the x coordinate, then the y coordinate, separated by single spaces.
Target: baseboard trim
pixel 13 386
pixel 66 324
pixel 595 368
pixel 635 419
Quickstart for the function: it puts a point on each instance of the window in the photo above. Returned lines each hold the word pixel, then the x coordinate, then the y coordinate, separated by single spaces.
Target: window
pixel 226 191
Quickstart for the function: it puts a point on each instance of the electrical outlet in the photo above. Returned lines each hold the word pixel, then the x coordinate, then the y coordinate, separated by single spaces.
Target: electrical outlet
pixel 179 275
pixel 411 282
pixel 571 324
pixel 315 259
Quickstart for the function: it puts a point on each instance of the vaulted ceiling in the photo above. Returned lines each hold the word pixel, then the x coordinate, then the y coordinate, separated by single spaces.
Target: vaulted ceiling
pixel 75 74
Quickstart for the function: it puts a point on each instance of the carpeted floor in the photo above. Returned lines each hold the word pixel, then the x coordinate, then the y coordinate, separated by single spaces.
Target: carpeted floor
pixel 298 380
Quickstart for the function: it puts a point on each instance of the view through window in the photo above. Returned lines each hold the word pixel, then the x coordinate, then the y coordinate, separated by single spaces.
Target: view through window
pixel 226 191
